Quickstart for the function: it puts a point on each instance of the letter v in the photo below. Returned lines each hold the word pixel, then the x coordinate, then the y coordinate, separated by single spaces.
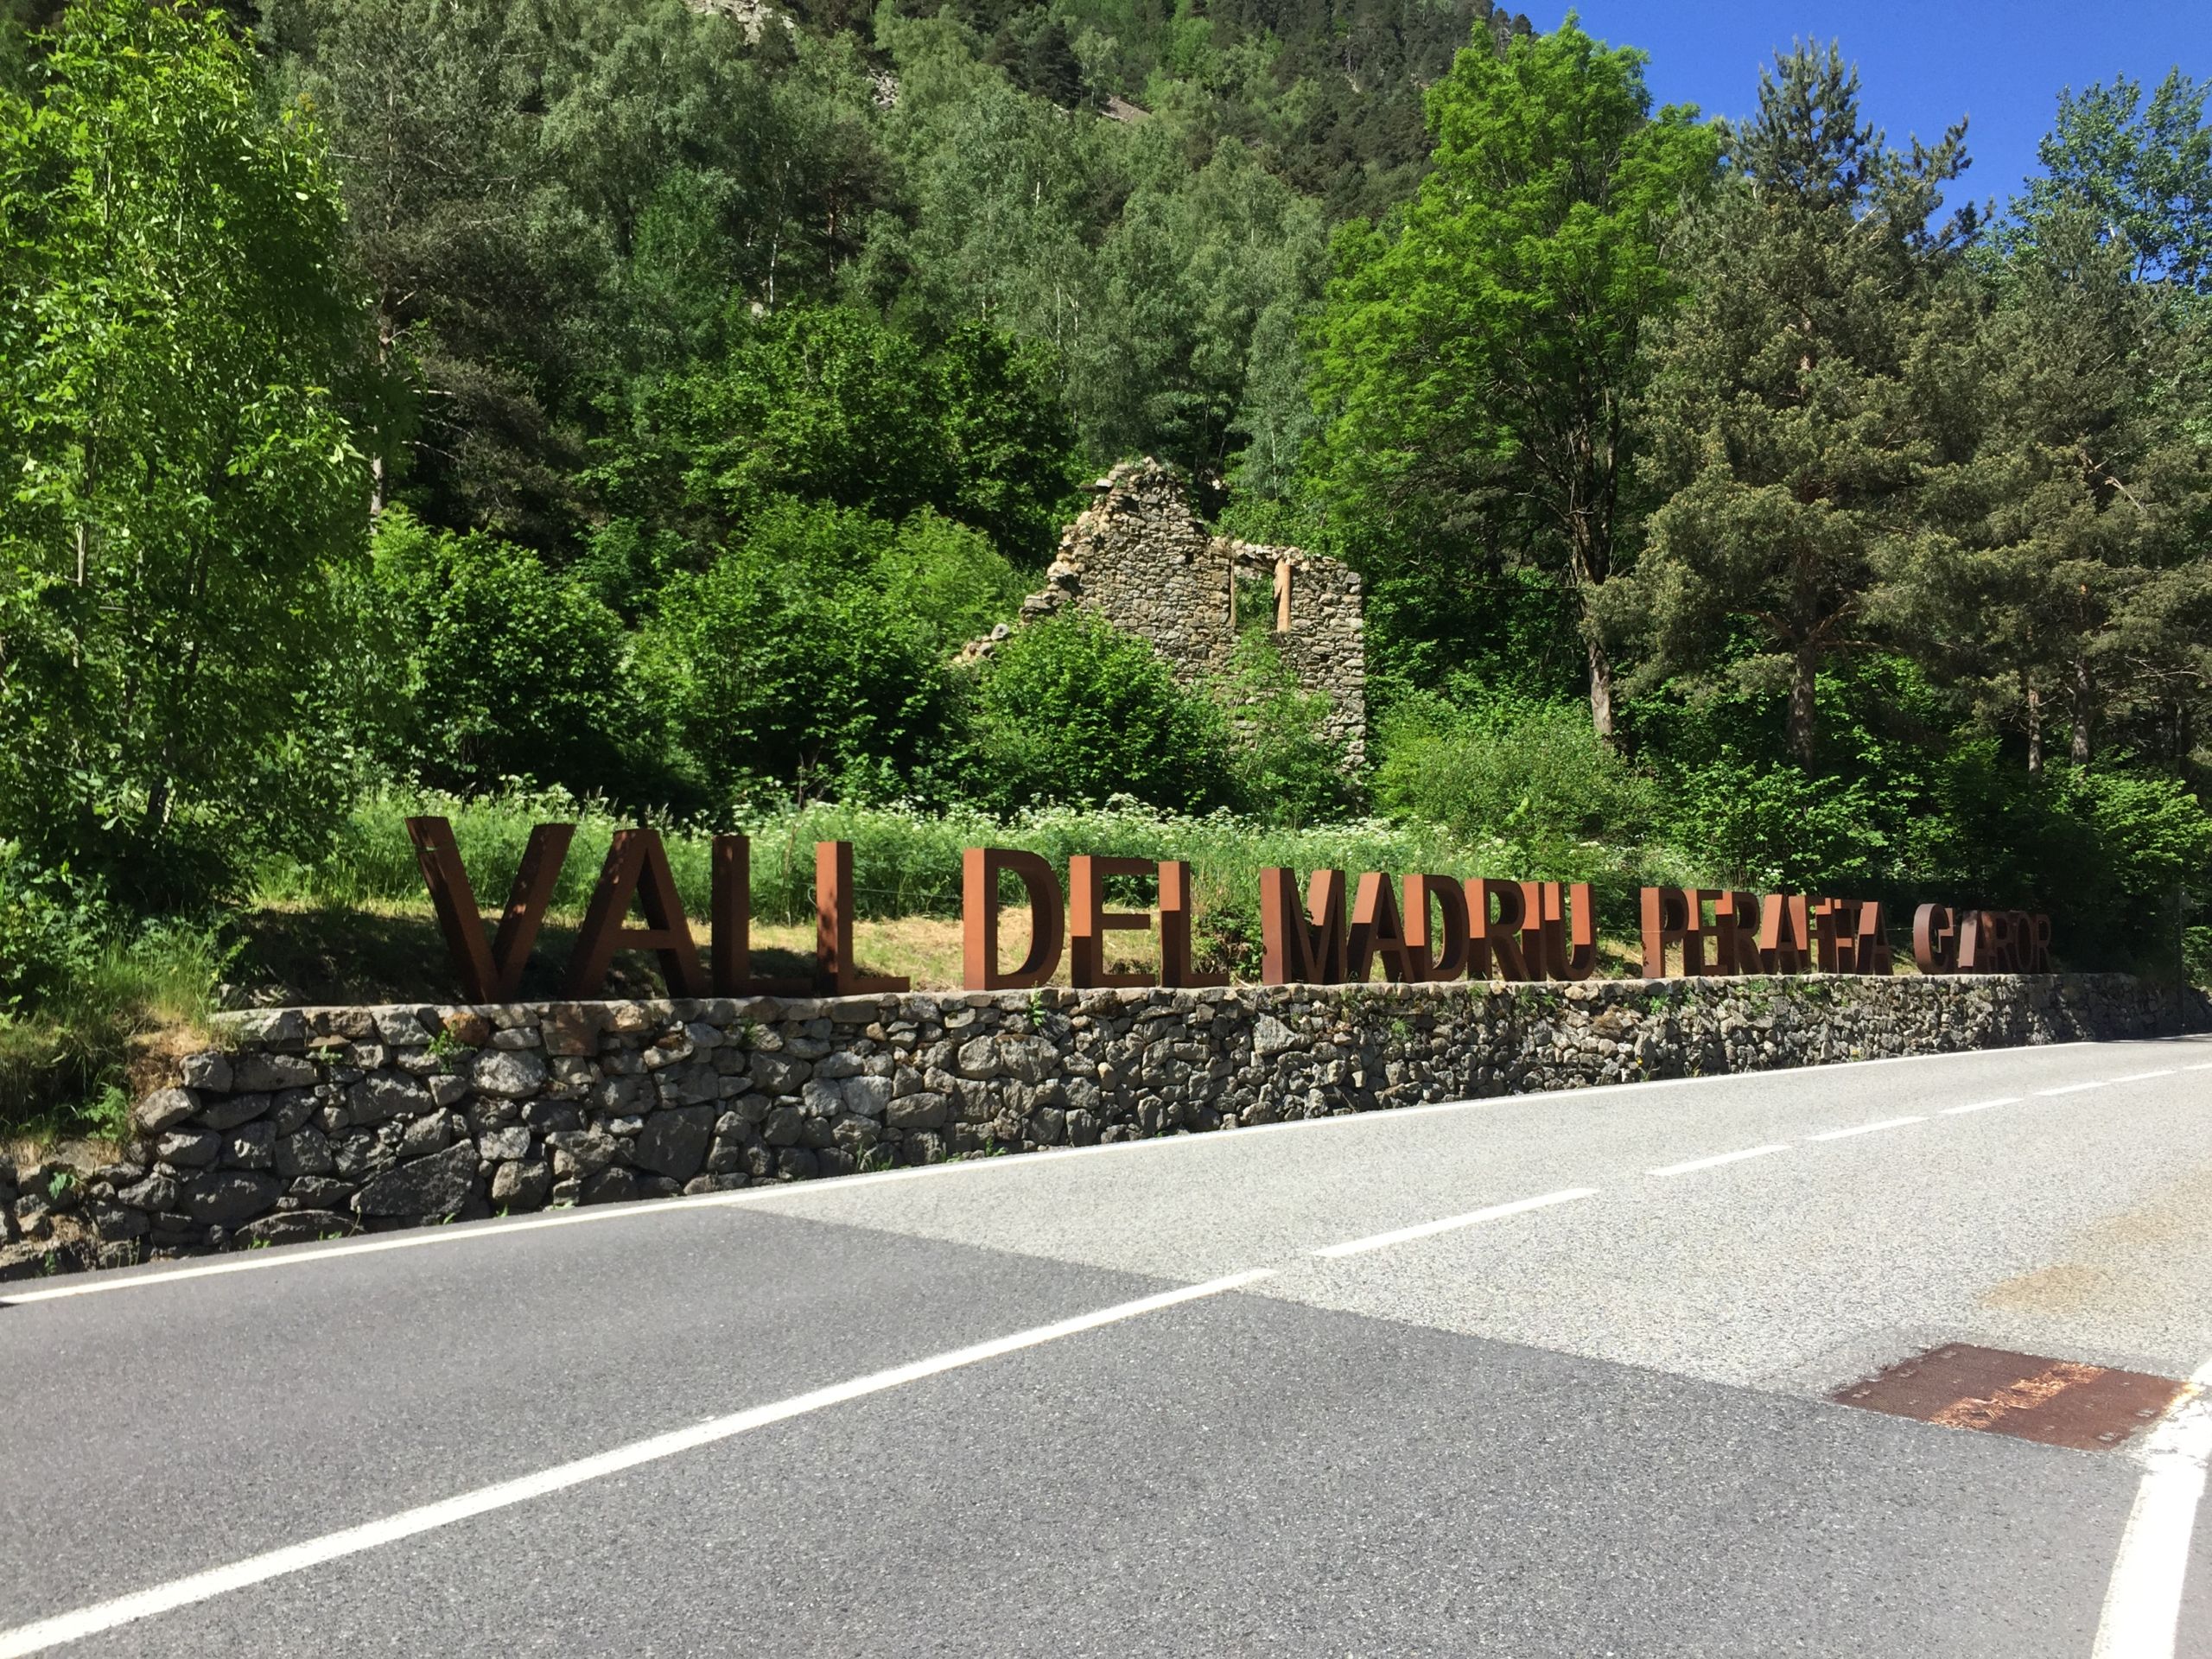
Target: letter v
pixel 489 972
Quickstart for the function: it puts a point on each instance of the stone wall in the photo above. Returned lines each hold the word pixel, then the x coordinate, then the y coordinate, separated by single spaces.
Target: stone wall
pixel 321 1122
pixel 1141 559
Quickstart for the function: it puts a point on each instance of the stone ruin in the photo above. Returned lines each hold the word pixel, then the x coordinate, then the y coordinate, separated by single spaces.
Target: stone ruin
pixel 1141 559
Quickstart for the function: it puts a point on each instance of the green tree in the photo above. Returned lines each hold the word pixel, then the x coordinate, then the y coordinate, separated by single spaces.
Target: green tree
pixel 180 480
pixel 1791 417
pixel 2143 170
pixel 1478 362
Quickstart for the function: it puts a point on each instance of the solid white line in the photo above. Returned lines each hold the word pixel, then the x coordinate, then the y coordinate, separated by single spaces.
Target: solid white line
pixel 2071 1088
pixel 2143 1602
pixel 1982 1105
pixel 1864 1128
pixel 297 1558
pixel 295 1256
pixel 1429 1228
pixel 1715 1162
pixel 2207 1066
pixel 2144 1077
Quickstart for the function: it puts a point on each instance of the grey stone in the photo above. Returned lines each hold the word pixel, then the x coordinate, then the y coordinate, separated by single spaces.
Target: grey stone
pixel 208 1070
pixel 164 1109
pixel 1270 1036
pixel 523 1185
pixel 319 1192
pixel 774 1074
pixel 230 1196
pixel 305 1151
pixel 978 1058
pixel 783 1126
pixel 188 1148
pixel 287 1110
pixel 154 1192
pixel 867 1095
pixel 251 1146
pixel 508 1143
pixel 294 1227
pixel 610 1187
pixel 428 1134
pixel 436 1185
pixel 922 1111
pixel 582 1153
pixel 357 1155
pixel 511 1075
pixel 256 1072
pixel 674 1143
pixel 381 1099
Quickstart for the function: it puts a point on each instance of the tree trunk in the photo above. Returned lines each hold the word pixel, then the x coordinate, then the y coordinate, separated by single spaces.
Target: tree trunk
pixel 2080 754
pixel 1601 693
pixel 1802 715
pixel 2035 731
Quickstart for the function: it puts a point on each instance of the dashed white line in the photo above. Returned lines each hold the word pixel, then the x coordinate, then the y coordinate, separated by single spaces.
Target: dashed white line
pixel 1429 1229
pixel 332 1545
pixel 1982 1105
pixel 1866 1129
pixel 2070 1088
pixel 2142 1601
pixel 2144 1077
pixel 1715 1162
pixel 2205 1066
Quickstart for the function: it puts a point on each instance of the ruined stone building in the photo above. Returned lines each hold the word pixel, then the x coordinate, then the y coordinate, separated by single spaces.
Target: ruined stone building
pixel 1141 559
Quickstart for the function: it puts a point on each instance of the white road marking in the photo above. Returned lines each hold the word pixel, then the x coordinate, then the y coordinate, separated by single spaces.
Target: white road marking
pixel 2142 1601
pixel 2071 1088
pixel 2207 1066
pixel 296 1255
pixel 353 1540
pixel 2144 1077
pixel 1864 1128
pixel 1982 1105
pixel 1429 1229
pixel 1715 1162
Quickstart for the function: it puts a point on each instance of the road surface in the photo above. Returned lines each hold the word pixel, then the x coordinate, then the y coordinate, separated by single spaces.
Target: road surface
pixel 1547 1375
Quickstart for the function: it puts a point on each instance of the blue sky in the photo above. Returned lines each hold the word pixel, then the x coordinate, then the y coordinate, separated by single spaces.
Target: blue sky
pixel 1921 66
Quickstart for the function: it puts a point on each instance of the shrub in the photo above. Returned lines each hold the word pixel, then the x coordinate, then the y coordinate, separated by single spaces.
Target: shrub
pixel 512 669
pixel 789 663
pixel 1070 711
pixel 1286 771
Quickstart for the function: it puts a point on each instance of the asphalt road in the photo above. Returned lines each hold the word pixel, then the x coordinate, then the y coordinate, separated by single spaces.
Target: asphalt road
pixel 1541 1376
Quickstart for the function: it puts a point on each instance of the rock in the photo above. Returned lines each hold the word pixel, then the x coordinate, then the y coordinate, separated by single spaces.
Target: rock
pixel 582 1152
pixel 188 1148
pixel 868 1096
pixel 522 1185
pixel 113 1221
pixel 674 1143
pixel 287 1110
pixel 783 1126
pixel 509 1143
pixel 210 1070
pixel 978 1058
pixel 609 1187
pixel 425 1135
pixel 255 1072
pixel 797 1164
pixel 294 1227
pixel 251 1146
pixel 229 1196
pixel 154 1192
pixel 426 1188
pixel 228 1111
pixel 1270 1036
pixel 922 1111
pixel 162 1109
pixel 774 1074
pixel 512 1074
pixel 381 1099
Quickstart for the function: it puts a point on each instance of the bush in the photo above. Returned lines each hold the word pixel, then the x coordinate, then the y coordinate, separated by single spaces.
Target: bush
pixel 1287 772
pixel 1072 712
pixel 1530 783
pixel 512 670
pixel 788 663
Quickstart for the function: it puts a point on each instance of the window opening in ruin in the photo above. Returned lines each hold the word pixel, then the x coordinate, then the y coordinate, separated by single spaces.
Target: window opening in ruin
pixel 1251 602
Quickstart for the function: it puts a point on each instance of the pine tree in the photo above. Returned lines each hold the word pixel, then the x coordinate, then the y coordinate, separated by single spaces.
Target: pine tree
pixel 1791 423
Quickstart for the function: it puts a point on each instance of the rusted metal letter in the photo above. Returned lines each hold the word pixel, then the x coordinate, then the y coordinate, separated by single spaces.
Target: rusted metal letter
pixel 1178 928
pixel 1377 929
pixel 730 927
pixel 1736 933
pixel 489 972
pixel 1672 915
pixel 1870 953
pixel 636 869
pixel 2039 947
pixel 1089 921
pixel 1301 947
pixel 1495 939
pixel 1581 960
pixel 1445 953
pixel 836 971
pixel 980 868
pixel 1935 940
pixel 1785 934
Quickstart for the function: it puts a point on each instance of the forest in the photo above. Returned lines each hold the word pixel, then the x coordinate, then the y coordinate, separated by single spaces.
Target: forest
pixel 625 411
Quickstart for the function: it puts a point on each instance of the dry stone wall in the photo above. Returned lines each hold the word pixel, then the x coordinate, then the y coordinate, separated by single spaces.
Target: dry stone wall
pixel 1141 558
pixel 320 1121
